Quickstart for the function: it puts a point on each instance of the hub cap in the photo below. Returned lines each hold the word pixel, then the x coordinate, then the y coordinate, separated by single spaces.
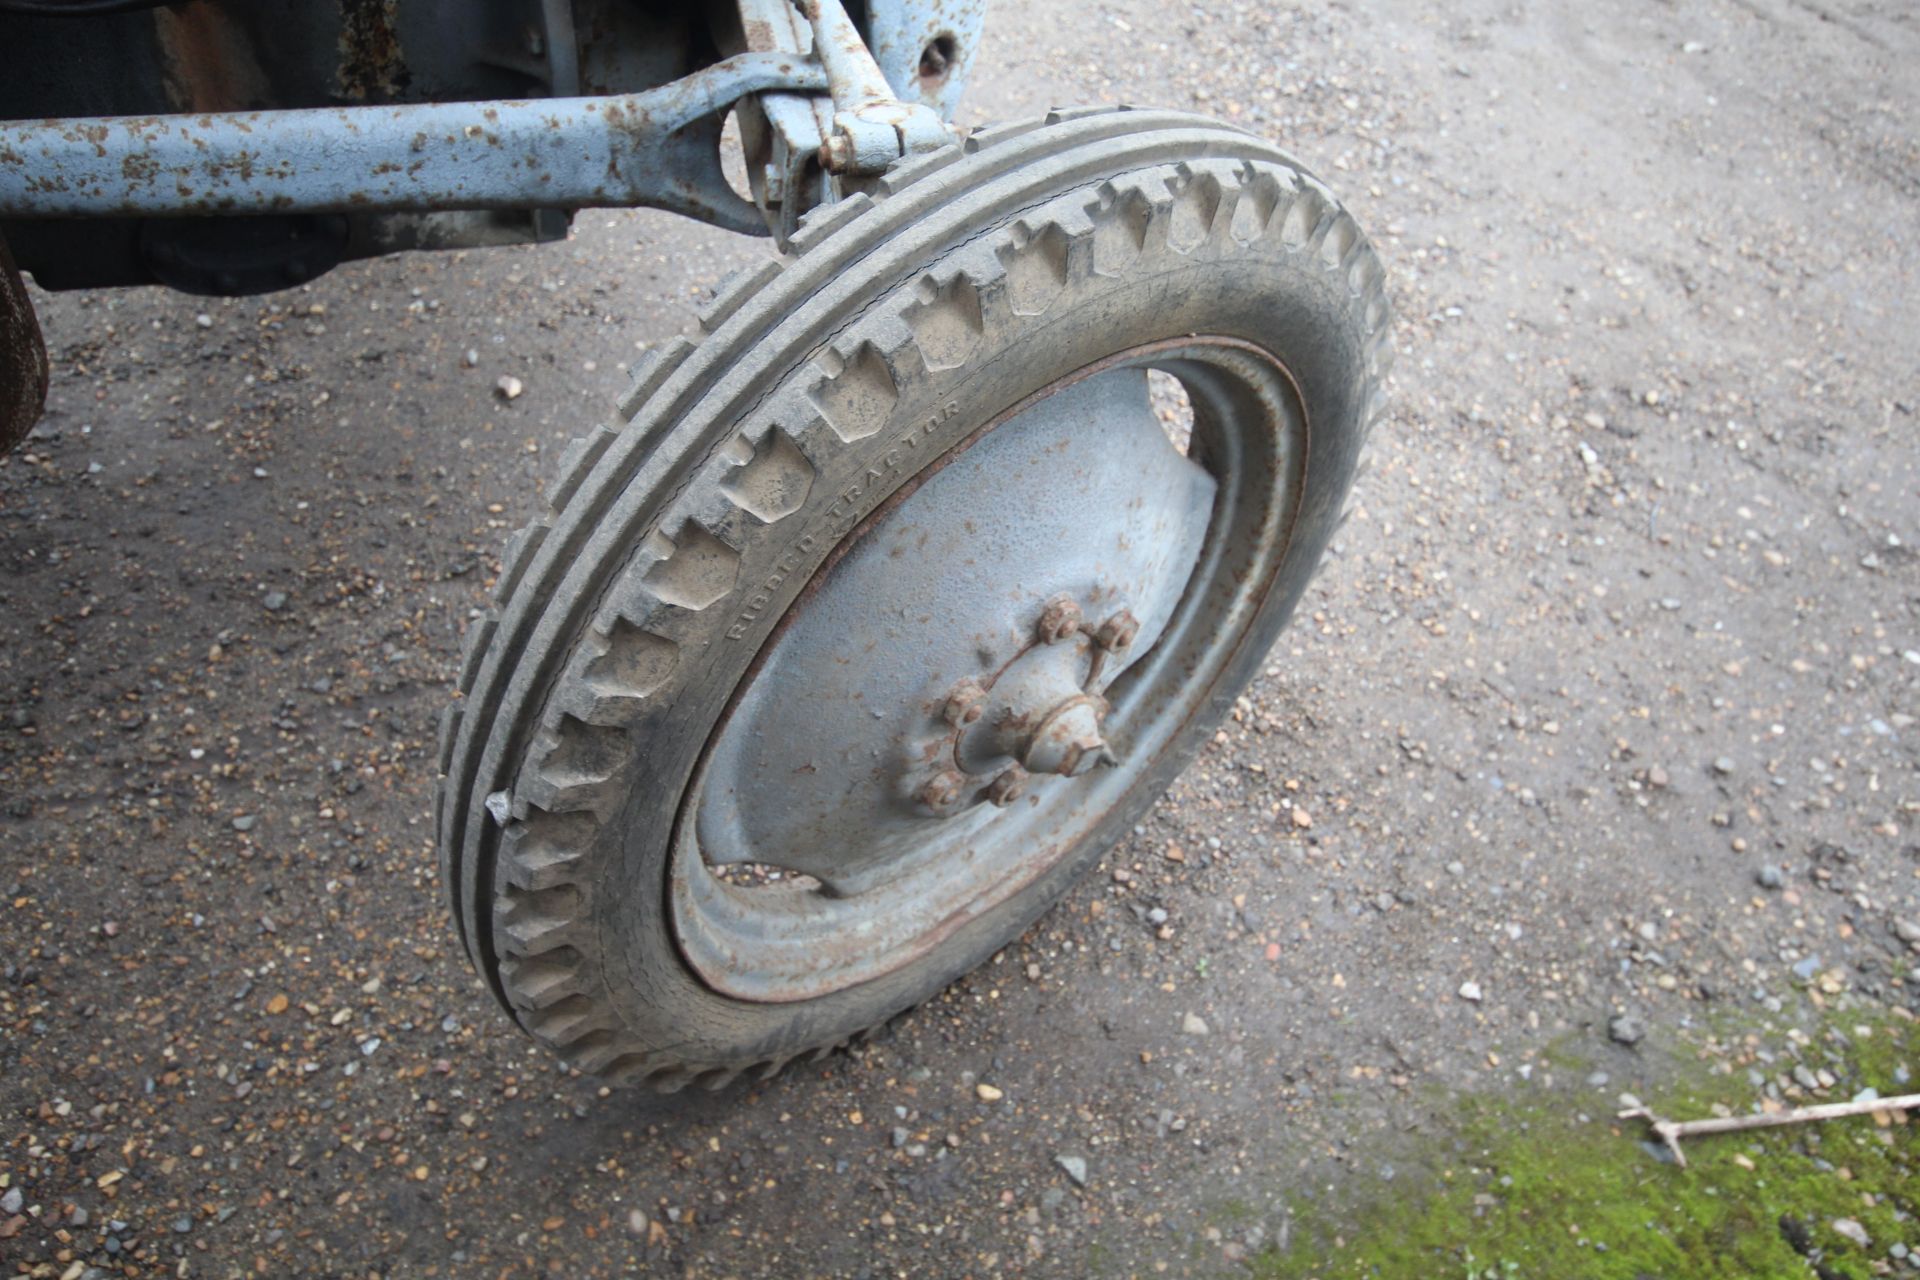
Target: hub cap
pixel 990 663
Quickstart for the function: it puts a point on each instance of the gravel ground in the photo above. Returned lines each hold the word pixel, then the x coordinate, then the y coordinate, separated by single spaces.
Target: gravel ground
pixel 1597 731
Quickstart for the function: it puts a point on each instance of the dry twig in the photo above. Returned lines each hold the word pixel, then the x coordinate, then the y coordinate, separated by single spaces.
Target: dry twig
pixel 1671 1131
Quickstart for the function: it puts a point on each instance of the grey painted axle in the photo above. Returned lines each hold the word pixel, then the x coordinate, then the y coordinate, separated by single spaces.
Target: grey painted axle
pixel 555 152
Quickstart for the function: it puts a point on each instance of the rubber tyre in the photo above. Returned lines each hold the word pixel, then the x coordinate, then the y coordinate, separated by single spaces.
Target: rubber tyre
pixel 679 534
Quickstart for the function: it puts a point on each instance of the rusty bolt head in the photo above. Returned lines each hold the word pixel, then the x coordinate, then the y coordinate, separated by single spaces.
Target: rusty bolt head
pixel 965 705
pixel 836 153
pixel 1082 758
pixel 1059 620
pixel 1119 631
pixel 943 791
pixel 1008 787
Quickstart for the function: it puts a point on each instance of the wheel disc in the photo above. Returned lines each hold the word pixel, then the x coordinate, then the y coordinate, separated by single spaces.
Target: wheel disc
pixel 984 669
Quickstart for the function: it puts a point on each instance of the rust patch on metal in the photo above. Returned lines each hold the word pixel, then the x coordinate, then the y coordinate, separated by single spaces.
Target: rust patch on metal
pixel 138 168
pixel 759 35
pixel 372 66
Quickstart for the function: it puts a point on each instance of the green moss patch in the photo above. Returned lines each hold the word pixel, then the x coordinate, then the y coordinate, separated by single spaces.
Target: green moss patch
pixel 1528 1190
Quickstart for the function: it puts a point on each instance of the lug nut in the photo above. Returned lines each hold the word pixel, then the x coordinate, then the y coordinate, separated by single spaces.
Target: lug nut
pixel 1008 787
pixel 1118 632
pixel 965 704
pixel 943 791
pixel 1059 620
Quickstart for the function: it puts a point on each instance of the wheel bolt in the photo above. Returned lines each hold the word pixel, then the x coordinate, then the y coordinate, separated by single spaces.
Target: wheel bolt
pixel 1059 620
pixel 1118 632
pixel 1008 787
pixel 943 791
pixel 965 705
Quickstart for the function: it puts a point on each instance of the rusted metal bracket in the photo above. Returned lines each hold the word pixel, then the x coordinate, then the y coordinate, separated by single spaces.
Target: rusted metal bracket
pixel 657 149
pixel 871 127
pixel 781 133
pixel 24 373
pixel 805 150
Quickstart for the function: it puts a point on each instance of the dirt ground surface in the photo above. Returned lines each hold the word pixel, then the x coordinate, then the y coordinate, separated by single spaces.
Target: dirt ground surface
pixel 1596 733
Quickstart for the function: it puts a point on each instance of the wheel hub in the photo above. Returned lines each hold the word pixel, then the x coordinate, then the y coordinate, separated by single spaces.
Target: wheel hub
pixel 1042 713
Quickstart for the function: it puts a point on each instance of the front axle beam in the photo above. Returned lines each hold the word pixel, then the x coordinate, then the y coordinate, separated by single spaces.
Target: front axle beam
pixel 652 149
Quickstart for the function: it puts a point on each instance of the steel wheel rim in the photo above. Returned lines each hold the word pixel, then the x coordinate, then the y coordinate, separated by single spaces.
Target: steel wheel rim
pixel 784 941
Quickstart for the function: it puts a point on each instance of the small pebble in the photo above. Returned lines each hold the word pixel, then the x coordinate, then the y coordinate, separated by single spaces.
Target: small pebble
pixel 1848 1229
